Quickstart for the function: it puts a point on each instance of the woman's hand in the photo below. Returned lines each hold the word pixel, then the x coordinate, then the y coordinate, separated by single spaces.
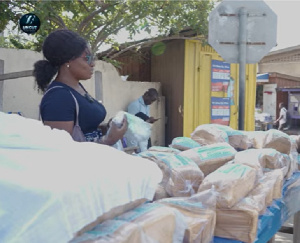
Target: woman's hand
pixel 115 132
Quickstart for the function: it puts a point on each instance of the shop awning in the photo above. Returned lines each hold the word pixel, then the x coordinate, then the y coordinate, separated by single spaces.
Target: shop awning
pixel 262 78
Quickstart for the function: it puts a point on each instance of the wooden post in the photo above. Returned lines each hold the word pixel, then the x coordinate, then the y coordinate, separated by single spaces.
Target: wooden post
pixel 14 75
pixel 1 84
pixel 98 86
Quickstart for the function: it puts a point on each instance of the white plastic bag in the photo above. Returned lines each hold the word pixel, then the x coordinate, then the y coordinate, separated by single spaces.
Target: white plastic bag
pixel 138 132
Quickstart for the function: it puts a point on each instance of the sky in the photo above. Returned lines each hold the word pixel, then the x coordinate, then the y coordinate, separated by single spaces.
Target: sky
pixel 288 21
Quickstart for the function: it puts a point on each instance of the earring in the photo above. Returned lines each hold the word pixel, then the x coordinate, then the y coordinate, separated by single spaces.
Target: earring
pixel 68 65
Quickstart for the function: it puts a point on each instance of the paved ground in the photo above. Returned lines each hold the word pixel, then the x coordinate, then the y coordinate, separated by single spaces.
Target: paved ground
pixel 284 237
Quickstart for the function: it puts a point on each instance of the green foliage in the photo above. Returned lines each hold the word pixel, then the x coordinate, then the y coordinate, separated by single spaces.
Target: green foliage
pixel 4 43
pixel 99 21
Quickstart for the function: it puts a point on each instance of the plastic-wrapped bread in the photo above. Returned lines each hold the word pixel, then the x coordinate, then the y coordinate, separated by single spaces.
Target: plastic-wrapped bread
pixel 272 159
pixel 155 156
pixel 241 221
pixel 266 158
pixel 265 187
pixel 181 175
pixel 238 223
pixel 250 157
pixel 209 134
pixel 278 178
pixel 277 140
pixel 286 169
pixel 160 192
pixel 210 157
pixel 236 138
pixel 239 140
pixel 293 155
pixel 295 142
pixel 199 212
pixel 232 181
pixel 164 149
pixel 256 138
pixel 183 143
pixel 185 176
pixel 159 222
pixel 255 200
pixel 296 139
pixel 114 212
pixel 114 231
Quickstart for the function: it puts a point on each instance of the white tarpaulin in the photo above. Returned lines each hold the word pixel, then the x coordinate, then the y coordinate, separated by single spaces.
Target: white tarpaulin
pixel 51 187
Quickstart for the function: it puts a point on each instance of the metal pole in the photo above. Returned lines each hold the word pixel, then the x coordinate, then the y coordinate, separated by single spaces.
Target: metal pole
pixel 296 233
pixel 242 64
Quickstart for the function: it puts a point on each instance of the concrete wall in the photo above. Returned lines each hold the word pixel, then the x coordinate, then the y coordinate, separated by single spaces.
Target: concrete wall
pixel 106 85
pixel 288 68
pixel 20 94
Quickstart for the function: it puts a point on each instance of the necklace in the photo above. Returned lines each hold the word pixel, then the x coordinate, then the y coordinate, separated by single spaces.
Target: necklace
pixel 89 97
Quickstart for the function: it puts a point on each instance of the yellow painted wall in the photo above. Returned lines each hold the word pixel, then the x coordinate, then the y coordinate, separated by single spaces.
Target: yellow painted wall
pixel 251 71
pixel 197 89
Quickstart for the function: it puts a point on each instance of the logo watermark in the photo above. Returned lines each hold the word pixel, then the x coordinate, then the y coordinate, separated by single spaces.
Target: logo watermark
pixel 29 23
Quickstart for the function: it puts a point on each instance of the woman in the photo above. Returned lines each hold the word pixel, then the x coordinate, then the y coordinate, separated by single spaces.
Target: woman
pixel 69 60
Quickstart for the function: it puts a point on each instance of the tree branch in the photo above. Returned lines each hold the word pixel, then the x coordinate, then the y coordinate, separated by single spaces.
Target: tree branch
pixel 114 31
pixel 58 20
pixel 92 30
pixel 89 18
pixel 100 37
pixel 84 6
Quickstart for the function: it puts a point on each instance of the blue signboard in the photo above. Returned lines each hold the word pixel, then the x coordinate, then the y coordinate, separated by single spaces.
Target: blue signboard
pixel 220 75
pixel 220 110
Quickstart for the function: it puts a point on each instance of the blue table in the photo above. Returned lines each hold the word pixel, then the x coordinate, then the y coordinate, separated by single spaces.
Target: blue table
pixel 281 210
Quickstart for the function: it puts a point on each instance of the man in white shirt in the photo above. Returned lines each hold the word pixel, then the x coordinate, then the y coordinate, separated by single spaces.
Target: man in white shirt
pixel 282 119
pixel 141 108
pixel 142 105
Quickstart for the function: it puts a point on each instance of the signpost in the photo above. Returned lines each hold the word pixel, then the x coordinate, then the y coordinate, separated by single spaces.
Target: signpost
pixel 242 32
